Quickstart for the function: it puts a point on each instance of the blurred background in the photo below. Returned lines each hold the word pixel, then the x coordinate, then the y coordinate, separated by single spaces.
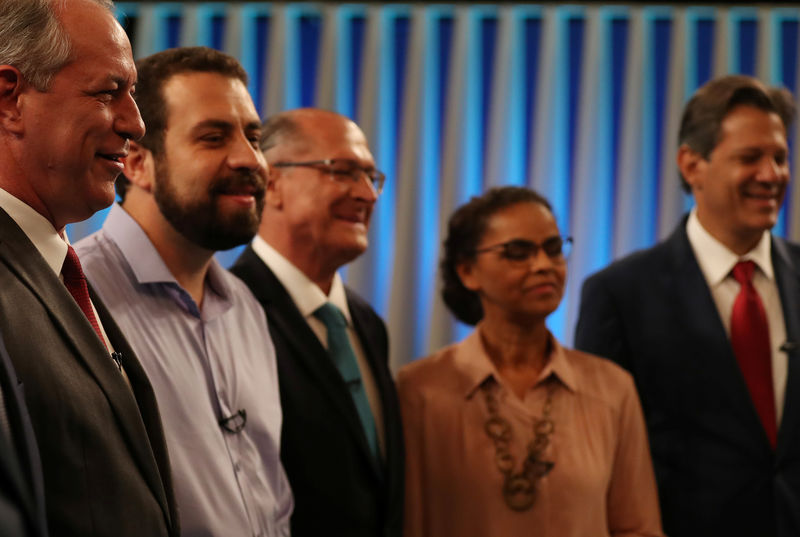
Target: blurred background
pixel 579 102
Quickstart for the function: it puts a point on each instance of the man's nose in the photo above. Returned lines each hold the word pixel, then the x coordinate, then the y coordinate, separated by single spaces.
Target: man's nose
pixel 771 169
pixel 128 121
pixel 244 154
pixel 363 187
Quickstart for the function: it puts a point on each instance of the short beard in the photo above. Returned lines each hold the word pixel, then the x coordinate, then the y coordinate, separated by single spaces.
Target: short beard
pixel 200 221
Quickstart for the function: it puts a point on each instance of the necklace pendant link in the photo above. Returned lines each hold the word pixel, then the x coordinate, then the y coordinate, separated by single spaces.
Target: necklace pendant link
pixel 519 492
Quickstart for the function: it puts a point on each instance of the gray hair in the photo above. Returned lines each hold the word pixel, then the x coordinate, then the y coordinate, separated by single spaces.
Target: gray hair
pixel 33 40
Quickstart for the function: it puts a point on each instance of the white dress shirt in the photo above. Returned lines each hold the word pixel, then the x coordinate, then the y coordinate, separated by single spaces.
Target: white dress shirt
pixel 307 296
pixel 716 262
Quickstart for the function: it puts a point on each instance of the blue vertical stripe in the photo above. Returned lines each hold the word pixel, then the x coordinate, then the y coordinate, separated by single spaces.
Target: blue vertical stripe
pixel 786 50
pixel 748 37
pixel 391 73
pixel 660 27
pixel 310 29
pixel 487 27
pixel 253 45
pixel 704 50
pixel 211 25
pixel 619 40
pixel 562 196
pixel 473 113
pixel 356 27
pixel 344 87
pixel 429 172
pixel 298 71
pixel 532 50
pixel 292 67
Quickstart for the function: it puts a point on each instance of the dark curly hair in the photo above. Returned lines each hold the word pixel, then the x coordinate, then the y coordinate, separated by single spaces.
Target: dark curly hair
pixel 464 232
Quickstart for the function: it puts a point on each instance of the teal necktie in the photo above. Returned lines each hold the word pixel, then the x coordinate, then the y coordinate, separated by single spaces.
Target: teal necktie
pixel 344 359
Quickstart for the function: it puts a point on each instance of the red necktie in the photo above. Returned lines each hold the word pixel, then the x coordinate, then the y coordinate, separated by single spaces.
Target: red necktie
pixel 751 345
pixel 75 281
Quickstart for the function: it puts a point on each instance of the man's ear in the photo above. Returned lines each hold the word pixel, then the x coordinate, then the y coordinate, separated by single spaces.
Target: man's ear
pixel 274 191
pixel 691 165
pixel 140 167
pixel 11 87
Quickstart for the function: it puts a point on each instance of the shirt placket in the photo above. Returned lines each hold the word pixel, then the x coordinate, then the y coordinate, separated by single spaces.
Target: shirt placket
pixel 233 441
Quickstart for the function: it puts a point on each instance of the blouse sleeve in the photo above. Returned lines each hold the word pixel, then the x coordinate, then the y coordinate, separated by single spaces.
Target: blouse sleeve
pixel 632 495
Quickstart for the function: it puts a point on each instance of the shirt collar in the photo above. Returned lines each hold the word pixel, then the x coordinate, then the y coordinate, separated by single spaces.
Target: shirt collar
pixel 471 358
pixel 48 241
pixel 716 260
pixel 306 295
pixel 143 258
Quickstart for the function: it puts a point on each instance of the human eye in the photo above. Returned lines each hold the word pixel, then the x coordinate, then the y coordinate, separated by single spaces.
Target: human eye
pixel 212 137
pixel 518 250
pixel 749 157
pixel 105 95
pixel 254 137
pixel 553 247
pixel 342 168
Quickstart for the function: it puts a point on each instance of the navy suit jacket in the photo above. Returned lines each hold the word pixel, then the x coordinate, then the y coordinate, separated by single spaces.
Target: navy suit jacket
pixel 339 489
pixel 653 313
pixel 22 511
pixel 104 457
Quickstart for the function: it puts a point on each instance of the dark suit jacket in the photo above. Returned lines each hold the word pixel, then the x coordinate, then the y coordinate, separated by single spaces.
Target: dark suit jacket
pixel 338 488
pixel 717 475
pixel 104 459
pixel 21 488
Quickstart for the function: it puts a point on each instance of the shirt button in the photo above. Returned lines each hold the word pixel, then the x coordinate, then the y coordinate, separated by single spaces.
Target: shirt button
pixel 236 469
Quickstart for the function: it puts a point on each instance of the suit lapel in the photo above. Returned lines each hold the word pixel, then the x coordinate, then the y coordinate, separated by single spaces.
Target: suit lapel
pixel 705 335
pixel 19 453
pixel 75 329
pixel 787 277
pixel 286 319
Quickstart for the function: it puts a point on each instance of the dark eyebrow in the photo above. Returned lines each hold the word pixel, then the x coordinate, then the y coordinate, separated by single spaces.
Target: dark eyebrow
pixel 253 126
pixel 213 124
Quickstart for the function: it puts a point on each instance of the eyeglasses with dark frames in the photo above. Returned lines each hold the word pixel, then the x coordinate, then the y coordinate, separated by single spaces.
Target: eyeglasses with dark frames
pixel 341 169
pixel 556 248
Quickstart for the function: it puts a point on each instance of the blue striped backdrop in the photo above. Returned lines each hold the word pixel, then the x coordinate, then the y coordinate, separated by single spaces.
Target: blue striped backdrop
pixel 579 102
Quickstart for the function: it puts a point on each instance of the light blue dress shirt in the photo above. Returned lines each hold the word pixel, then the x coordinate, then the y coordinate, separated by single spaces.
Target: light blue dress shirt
pixel 204 364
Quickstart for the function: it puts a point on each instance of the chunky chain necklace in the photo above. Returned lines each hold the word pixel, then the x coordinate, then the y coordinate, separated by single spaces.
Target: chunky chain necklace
pixel 519 488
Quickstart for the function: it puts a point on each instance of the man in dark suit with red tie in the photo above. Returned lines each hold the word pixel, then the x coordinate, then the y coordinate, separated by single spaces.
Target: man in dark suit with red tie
pixel 341 442
pixel 708 322
pixel 66 116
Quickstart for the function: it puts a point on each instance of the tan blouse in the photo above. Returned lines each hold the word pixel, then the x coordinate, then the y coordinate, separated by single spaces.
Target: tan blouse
pixel 602 481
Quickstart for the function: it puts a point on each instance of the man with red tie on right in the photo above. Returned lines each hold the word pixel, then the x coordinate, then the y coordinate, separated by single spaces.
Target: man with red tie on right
pixel 708 322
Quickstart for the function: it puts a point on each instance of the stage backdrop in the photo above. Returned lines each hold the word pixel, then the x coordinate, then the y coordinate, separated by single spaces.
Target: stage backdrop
pixel 578 102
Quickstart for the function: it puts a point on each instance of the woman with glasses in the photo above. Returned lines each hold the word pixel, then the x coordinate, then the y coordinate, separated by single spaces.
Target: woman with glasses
pixel 508 433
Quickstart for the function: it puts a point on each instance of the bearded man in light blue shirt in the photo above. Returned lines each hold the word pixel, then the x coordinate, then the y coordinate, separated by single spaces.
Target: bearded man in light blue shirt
pixel 195 185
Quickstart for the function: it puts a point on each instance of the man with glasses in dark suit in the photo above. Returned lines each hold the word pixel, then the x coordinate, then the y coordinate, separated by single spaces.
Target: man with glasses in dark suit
pixel 341 443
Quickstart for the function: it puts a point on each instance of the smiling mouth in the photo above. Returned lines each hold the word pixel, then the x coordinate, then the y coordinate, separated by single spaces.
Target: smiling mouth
pixel 764 196
pixel 242 191
pixel 113 157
